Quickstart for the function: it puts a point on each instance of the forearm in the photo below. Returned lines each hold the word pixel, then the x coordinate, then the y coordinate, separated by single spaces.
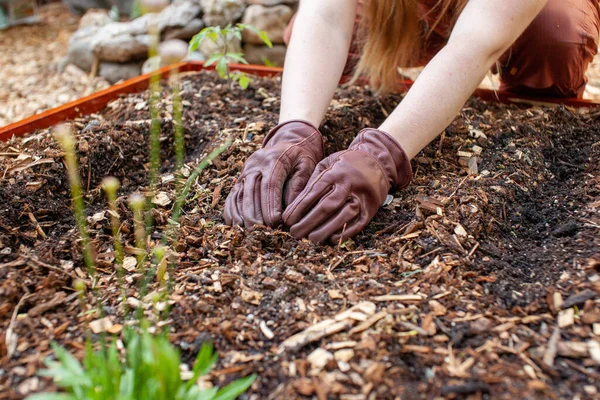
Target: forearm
pixel 314 63
pixel 437 96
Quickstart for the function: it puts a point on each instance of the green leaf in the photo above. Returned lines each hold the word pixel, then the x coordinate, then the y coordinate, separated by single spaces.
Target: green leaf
pixel 206 394
pixel 244 81
pixel 261 34
pixel 205 360
pixel 235 388
pixel 237 57
pixel 51 396
pixel 213 59
pixel 222 67
pixel 67 360
pixel 265 38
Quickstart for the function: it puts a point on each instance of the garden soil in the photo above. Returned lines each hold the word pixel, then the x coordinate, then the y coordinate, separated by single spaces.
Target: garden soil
pixel 479 280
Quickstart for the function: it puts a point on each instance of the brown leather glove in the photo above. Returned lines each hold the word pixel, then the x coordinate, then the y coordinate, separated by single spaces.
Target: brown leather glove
pixel 348 188
pixel 274 175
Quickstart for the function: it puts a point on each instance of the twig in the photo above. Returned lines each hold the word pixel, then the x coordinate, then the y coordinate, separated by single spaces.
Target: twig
pixel 10 339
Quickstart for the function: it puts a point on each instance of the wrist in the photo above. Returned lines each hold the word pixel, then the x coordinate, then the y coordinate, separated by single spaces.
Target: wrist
pixel 388 152
pixel 296 131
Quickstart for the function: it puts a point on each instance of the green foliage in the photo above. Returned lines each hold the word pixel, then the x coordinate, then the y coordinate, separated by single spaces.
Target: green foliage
pixel 222 59
pixel 148 367
pixel 136 10
pixel 268 63
pixel 150 371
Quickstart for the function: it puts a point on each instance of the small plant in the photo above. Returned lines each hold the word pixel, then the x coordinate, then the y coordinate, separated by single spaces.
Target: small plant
pixel 149 370
pixel 222 38
pixel 149 365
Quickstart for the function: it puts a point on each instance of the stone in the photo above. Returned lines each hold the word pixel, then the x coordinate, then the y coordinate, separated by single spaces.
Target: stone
pixel 270 3
pixel 122 48
pixel 260 54
pixel 151 64
pixel 81 6
pixel 272 20
pixel 185 33
pixel 115 72
pixel 96 18
pixel 222 12
pixel 81 47
pixel 178 15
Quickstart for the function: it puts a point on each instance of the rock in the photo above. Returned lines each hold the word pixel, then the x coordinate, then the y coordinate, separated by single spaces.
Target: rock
pixel 185 33
pixel 208 47
pixel 81 47
pixel 272 20
pixel 270 3
pixel 151 64
pixel 81 6
pixel 259 54
pixel 115 72
pixel 122 48
pixel 178 15
pixel 96 18
pixel 222 12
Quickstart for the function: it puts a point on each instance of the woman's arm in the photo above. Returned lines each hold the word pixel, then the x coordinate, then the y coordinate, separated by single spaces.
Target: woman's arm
pixel 483 32
pixel 316 58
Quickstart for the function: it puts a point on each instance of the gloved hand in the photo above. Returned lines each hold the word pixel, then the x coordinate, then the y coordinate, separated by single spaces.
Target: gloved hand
pixel 274 175
pixel 348 188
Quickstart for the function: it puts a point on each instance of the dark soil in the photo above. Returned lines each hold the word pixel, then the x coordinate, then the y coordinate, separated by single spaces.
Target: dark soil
pixel 501 222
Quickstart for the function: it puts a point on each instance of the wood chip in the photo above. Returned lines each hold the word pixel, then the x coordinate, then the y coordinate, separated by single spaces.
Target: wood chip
pixel 319 358
pixel 566 318
pixel 552 350
pixel 251 296
pixel 130 264
pixel 573 349
pixel 39 309
pixel 594 348
pixel 101 325
pixel 161 199
pixel 344 355
pixel 579 298
pixel 399 297
pixel 460 231
pixel 341 345
pixel 115 329
pixel 437 308
pixel 372 320
pixel 325 328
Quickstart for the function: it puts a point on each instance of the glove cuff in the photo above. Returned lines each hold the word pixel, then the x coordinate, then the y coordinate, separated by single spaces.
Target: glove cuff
pixel 295 131
pixel 387 151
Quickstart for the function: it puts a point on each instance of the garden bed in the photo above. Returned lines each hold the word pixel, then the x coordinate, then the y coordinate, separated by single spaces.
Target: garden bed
pixel 460 282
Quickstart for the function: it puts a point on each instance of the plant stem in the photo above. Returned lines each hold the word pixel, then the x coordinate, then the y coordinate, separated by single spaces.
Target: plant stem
pixel 65 138
pixel 182 196
pixel 178 120
pixel 110 186
pixel 155 91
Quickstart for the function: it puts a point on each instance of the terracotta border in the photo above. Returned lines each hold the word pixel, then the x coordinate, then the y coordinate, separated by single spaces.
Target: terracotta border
pixel 98 100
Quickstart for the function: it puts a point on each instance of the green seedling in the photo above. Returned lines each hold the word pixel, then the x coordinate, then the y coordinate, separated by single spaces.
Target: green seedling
pixel 172 52
pixel 149 370
pixel 66 140
pixel 110 185
pixel 222 38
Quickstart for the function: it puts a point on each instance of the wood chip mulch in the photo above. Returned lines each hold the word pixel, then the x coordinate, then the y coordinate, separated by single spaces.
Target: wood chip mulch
pixel 480 280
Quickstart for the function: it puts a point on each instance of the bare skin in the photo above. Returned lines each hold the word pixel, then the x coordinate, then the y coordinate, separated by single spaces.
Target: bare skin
pixel 484 30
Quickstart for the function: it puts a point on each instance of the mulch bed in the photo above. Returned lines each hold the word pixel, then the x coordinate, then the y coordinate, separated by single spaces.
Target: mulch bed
pixel 480 280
